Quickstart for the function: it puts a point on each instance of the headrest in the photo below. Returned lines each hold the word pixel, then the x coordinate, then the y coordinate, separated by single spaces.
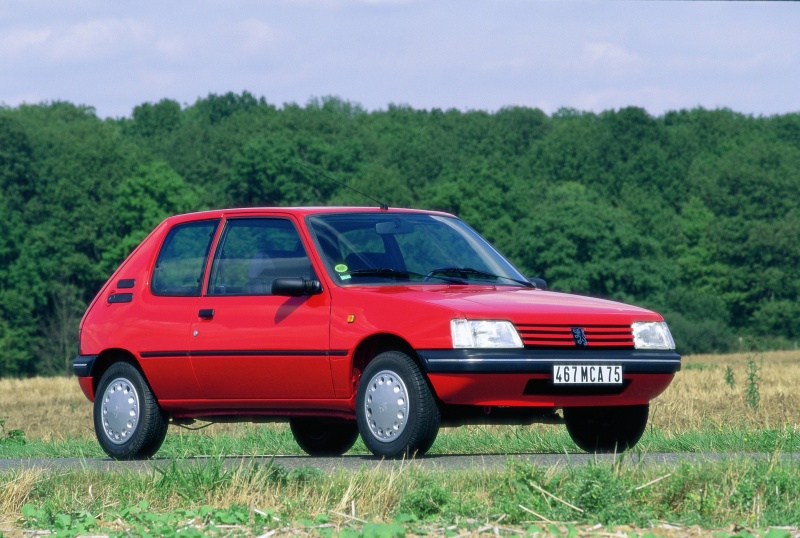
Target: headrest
pixel 260 263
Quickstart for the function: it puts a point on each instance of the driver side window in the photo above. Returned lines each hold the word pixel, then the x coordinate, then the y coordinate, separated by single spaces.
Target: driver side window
pixel 253 253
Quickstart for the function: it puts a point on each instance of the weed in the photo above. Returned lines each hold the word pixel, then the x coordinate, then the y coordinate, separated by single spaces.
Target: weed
pixel 385 530
pixel 603 495
pixel 729 379
pixel 193 481
pixel 10 436
pixel 425 500
pixel 752 391
pixel 305 475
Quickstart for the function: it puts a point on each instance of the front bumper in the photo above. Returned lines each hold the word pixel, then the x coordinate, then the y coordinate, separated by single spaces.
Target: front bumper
pixel 538 361
pixel 524 377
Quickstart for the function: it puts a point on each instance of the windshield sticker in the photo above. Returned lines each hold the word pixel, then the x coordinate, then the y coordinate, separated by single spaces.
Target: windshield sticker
pixel 340 268
pixel 345 277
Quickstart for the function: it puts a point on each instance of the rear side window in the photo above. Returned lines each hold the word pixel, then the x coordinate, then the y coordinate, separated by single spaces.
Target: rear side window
pixel 253 252
pixel 182 259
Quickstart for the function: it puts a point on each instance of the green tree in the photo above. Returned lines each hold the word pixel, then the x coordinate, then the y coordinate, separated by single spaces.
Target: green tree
pixel 154 192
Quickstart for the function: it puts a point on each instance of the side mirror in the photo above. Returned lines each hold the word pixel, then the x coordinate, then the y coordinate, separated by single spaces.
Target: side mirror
pixel 296 287
pixel 540 283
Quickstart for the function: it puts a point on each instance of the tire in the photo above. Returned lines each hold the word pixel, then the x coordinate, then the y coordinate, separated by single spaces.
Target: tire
pixel 127 419
pixel 606 429
pixel 396 411
pixel 322 436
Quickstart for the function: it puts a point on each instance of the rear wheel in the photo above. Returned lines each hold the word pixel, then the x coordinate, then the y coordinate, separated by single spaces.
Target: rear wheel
pixel 323 436
pixel 128 422
pixel 606 429
pixel 396 411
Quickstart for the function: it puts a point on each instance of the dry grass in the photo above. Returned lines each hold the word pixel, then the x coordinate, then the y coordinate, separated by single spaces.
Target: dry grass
pixel 47 408
pixel 699 396
pixel 55 408
pixel 17 489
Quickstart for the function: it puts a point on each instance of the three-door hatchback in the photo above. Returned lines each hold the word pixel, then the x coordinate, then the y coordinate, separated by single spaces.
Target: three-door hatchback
pixel 344 321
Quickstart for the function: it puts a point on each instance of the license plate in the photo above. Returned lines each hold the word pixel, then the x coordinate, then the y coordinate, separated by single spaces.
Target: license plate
pixel 587 374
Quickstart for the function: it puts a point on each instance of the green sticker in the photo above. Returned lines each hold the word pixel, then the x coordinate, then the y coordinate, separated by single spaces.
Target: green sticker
pixel 340 268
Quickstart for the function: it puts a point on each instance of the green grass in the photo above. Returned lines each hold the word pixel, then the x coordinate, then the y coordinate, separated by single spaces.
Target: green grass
pixel 204 498
pixel 277 439
pixel 400 499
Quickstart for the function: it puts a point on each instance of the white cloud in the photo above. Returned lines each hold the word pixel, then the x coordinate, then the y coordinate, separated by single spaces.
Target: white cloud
pixel 88 41
pixel 607 58
pixel 17 41
pixel 256 35
pixel 449 53
pixel 174 48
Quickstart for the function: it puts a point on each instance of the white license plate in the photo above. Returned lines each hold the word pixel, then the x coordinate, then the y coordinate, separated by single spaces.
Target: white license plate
pixel 587 374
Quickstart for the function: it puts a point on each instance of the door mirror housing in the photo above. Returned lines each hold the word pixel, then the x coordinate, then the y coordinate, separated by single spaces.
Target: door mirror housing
pixel 540 283
pixel 296 287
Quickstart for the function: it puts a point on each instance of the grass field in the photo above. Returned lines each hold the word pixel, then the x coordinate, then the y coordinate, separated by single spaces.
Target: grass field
pixel 699 399
pixel 726 403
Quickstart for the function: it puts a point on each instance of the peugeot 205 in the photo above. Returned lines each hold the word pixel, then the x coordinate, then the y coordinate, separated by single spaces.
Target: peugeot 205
pixel 387 323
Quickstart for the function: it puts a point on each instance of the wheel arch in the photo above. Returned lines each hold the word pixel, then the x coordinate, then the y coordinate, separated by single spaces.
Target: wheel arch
pixel 108 358
pixel 376 344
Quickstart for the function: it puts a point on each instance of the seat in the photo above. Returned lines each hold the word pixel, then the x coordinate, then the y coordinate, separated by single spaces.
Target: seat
pixel 260 283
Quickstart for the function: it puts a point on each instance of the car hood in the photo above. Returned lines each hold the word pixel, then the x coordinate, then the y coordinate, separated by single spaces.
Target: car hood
pixel 521 305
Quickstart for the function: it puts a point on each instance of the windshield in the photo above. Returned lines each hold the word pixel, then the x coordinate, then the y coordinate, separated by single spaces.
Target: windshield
pixel 402 248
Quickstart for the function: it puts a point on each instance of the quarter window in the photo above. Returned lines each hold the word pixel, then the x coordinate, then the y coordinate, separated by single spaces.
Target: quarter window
pixel 182 259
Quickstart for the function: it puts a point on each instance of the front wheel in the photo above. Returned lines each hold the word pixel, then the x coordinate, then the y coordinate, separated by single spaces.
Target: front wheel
pixel 396 411
pixel 606 429
pixel 128 422
pixel 324 437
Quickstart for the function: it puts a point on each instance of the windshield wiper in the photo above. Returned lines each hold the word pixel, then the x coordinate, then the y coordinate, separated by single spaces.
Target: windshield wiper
pixel 384 271
pixel 396 273
pixel 477 272
pixel 455 275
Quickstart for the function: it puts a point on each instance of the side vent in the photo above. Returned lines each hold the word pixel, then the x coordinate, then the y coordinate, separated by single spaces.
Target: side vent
pixel 120 298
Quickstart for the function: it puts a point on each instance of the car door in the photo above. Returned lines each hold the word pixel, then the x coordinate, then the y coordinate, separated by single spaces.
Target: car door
pixel 158 328
pixel 248 344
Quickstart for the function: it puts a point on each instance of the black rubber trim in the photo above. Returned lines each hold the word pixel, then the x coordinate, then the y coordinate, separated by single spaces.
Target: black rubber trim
pixel 545 387
pixel 126 283
pixel 532 361
pixel 83 364
pixel 245 353
pixel 120 298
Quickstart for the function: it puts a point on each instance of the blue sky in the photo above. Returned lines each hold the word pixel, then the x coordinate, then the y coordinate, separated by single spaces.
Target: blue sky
pixel 465 54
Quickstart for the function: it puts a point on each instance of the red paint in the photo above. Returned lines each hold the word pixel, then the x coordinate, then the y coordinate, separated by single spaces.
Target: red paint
pixel 266 355
pixel 87 387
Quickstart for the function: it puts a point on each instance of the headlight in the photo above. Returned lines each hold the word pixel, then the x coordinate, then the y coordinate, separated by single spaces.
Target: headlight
pixel 652 335
pixel 484 334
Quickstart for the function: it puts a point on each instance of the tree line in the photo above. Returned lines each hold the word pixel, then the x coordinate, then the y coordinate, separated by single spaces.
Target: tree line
pixel 695 213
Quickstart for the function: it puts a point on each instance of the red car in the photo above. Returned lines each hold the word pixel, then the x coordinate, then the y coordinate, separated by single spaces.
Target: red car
pixel 344 321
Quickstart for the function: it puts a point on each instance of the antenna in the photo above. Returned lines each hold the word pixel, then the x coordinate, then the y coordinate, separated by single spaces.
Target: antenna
pixel 383 206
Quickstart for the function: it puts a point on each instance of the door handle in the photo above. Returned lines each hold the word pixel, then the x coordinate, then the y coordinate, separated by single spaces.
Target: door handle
pixel 206 313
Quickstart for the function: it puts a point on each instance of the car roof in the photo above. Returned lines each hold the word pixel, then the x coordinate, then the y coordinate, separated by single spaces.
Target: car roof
pixel 297 211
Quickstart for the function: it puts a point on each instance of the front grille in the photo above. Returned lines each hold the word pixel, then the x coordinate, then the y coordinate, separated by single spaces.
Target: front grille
pixel 541 335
